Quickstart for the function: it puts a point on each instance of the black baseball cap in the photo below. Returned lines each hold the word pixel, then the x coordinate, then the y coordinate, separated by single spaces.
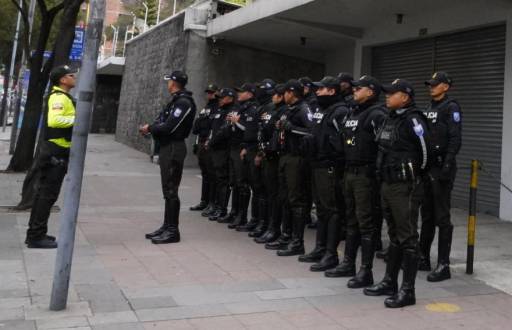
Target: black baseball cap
pixel 212 88
pixel 368 81
pixel 247 87
pixel 306 81
pixel 399 85
pixel 294 85
pixel 438 78
pixel 278 89
pixel 227 92
pixel 59 72
pixel 267 84
pixel 345 77
pixel 328 81
pixel 178 76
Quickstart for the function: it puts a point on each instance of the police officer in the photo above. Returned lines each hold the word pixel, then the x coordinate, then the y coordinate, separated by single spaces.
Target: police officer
pixel 260 205
pixel 53 156
pixel 243 143
pixel 359 131
pixel 402 158
pixel 171 129
pixel 345 80
pixel 325 152
pixel 444 118
pixel 218 144
pixel 268 157
pixel 309 94
pixel 294 125
pixel 201 128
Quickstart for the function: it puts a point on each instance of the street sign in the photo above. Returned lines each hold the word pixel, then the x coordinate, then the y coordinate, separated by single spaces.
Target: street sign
pixel 78 44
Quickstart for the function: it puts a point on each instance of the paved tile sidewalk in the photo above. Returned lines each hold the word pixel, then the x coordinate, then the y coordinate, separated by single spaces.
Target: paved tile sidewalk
pixel 215 278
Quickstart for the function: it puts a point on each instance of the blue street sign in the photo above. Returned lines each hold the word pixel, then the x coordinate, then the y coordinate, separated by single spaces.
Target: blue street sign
pixel 78 44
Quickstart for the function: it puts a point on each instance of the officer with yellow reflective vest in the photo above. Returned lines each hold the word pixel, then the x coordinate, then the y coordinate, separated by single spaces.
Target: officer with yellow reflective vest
pixel 53 156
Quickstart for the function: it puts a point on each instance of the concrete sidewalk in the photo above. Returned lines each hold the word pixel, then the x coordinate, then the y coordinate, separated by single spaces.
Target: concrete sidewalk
pixel 215 278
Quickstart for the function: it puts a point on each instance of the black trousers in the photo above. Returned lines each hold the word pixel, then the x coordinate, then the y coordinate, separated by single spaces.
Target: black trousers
pixel 52 162
pixel 220 162
pixel 293 189
pixel 204 158
pixel 172 156
pixel 435 209
pixel 400 207
pixel 360 199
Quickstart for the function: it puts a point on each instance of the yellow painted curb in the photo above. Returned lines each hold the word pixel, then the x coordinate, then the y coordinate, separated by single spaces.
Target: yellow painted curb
pixel 443 308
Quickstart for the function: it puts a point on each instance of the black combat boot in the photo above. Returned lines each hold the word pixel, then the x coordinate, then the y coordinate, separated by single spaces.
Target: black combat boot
pixel 253 223
pixel 274 225
pixel 208 210
pixel 286 231
pixel 296 245
pixel 330 259
pixel 199 207
pixel 442 271
pixel 171 233
pixel 164 226
pixel 389 284
pixel 364 277
pixel 428 232
pixel 44 243
pixel 262 226
pixel 320 244
pixel 229 217
pixel 382 254
pixel 244 197
pixel 347 267
pixel 406 295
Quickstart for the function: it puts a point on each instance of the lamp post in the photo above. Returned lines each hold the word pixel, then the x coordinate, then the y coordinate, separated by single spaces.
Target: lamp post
pixel 174 8
pixel 158 12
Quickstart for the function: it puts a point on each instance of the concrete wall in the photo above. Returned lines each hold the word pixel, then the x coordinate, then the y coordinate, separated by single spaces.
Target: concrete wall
pixel 231 65
pixel 143 91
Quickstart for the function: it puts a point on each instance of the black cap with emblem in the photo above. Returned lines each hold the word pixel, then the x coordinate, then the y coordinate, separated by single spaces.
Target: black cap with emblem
pixel 329 82
pixel 399 85
pixel 267 84
pixel 247 87
pixel 370 82
pixel 226 92
pixel 345 77
pixel 279 89
pixel 177 76
pixel 306 81
pixel 438 78
pixel 212 88
pixel 59 72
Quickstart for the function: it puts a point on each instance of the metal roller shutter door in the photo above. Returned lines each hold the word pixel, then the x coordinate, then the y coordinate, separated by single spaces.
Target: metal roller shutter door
pixel 475 59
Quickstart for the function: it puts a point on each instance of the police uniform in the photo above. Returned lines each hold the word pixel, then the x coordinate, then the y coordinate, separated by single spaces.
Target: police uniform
pixel 325 152
pixel 444 119
pixel 52 160
pixel 403 156
pixel 218 143
pixel 244 135
pixel 171 128
pixel 269 151
pixel 295 124
pixel 359 131
pixel 260 201
pixel 201 128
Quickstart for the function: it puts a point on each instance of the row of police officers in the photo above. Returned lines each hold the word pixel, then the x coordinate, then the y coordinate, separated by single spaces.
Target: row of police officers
pixel 274 149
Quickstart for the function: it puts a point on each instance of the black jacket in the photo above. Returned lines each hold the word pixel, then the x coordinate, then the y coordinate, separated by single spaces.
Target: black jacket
pixel 296 123
pixel 174 122
pixel 203 122
pixel 360 129
pixel 244 134
pixel 221 129
pixel 268 134
pixel 326 149
pixel 444 120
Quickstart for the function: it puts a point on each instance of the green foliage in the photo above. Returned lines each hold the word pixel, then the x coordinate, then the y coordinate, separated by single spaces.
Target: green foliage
pixel 8 17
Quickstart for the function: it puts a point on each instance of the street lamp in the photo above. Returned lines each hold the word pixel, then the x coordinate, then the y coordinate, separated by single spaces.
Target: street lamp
pixel 174 8
pixel 158 12
pixel 145 15
pixel 116 31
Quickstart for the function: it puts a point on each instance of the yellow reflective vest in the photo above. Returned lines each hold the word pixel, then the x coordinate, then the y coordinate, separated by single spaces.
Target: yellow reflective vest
pixel 61 117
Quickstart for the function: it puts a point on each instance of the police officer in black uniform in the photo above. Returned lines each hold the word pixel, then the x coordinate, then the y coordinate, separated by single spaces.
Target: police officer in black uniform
pixel 294 125
pixel 345 79
pixel 201 128
pixel 243 143
pixel 359 131
pixel 268 157
pixel 325 152
pixel 218 144
pixel 171 129
pixel 444 118
pixel 260 206
pixel 401 161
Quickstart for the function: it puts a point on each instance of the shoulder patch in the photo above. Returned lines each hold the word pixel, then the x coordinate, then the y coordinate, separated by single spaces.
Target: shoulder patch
pixel 57 106
pixel 177 112
pixel 249 118
pixel 310 116
pixel 456 117
pixel 217 116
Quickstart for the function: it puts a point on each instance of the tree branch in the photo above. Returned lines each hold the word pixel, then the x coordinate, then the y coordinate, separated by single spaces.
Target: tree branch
pixel 55 10
pixel 42 7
